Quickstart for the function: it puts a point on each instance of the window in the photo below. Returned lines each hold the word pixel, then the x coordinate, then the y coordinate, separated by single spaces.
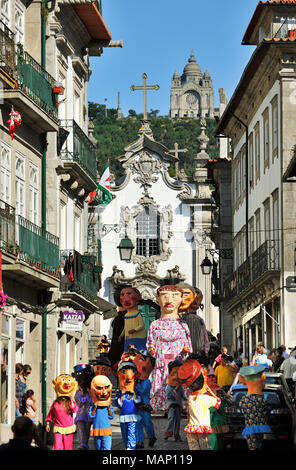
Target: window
pixel 76 108
pixel 6 12
pixel 266 138
pixel 19 22
pixel 257 151
pixel 147 232
pixel 258 228
pixel 34 194
pixel 243 168
pixel 251 236
pixel 20 188
pixel 251 161
pixel 63 225
pixel 62 105
pixel 5 177
pixel 266 205
pixel 239 176
pixel 274 128
pixel 77 232
pixel 19 340
pixel 234 185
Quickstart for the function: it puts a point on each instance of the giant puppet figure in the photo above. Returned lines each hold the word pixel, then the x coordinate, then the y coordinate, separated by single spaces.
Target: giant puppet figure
pixel 61 412
pixel 84 374
pixel 202 399
pixel 134 331
pixel 253 405
pixel 168 338
pixel 192 298
pixel 101 412
pixel 128 403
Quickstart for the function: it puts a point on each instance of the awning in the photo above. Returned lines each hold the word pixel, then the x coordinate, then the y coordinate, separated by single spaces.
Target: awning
pixel 251 314
pixel 93 21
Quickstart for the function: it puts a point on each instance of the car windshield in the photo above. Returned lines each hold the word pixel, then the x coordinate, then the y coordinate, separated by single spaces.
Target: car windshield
pixel 273 398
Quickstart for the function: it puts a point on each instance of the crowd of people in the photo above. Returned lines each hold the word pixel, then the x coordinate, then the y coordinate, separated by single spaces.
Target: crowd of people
pixel 182 371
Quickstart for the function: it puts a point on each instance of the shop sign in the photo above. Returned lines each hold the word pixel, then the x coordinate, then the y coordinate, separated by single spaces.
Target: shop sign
pixel 72 320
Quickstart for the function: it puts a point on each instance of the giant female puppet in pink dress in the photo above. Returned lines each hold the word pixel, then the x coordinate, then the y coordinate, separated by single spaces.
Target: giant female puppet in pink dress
pixel 168 337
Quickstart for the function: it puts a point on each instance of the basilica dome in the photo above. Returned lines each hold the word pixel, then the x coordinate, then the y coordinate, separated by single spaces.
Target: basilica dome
pixel 192 68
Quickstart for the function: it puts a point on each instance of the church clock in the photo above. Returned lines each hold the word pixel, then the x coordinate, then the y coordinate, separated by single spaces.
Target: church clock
pixel 191 98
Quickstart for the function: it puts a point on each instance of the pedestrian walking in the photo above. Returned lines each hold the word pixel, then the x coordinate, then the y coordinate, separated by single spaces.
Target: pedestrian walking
pixel 225 372
pixel 260 358
pixel 29 405
pixel 18 391
pixel 288 367
pixel 174 398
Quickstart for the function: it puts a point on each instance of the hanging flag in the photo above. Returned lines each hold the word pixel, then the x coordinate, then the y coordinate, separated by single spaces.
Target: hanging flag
pixel 104 188
pixel 14 122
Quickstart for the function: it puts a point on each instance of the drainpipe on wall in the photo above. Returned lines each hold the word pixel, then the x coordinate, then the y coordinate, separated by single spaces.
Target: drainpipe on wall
pixel 43 209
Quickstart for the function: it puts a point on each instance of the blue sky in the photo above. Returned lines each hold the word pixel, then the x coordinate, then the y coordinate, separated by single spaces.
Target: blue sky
pixel 158 36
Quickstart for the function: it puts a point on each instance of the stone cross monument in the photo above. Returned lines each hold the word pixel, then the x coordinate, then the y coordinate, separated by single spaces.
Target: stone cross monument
pixel 145 87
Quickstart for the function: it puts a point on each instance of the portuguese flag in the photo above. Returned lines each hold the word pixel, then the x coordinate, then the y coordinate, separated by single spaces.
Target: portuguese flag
pixel 103 188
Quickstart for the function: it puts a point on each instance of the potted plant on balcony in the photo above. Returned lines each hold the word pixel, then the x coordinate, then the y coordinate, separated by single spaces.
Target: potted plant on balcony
pixel 98 268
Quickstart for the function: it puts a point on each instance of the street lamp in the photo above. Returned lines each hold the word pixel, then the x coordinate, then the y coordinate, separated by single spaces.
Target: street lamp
pixel 206 265
pixel 125 249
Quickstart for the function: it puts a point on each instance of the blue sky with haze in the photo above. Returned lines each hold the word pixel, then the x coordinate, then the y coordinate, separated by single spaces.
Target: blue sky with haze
pixel 158 37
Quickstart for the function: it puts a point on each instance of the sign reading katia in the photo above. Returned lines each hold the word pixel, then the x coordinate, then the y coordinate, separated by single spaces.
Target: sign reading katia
pixel 72 320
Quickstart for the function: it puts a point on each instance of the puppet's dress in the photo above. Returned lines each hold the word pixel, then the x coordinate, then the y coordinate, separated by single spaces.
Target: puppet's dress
pixel 134 321
pixel 254 410
pixel 168 336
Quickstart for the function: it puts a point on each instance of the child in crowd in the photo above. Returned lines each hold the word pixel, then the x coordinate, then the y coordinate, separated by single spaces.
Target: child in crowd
pixel 175 397
pixel 29 405
pixel 217 361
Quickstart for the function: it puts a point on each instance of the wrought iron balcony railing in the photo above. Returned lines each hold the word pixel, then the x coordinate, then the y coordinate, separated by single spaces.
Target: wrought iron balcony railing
pixel 79 148
pixel 265 259
pixel 78 274
pixel 36 83
pixel 28 242
pixel 38 247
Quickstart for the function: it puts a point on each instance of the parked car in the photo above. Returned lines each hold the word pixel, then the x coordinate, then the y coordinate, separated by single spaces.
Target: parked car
pixel 281 415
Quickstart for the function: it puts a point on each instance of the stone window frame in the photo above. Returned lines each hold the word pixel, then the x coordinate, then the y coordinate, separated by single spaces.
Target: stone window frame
pixel 251 224
pixel 266 208
pixel 258 227
pixel 6 171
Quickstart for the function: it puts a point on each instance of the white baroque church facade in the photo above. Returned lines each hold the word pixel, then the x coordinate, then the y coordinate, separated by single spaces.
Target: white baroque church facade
pixel 168 221
pixel 192 92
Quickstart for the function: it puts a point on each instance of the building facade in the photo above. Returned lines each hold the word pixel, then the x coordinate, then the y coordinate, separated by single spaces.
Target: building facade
pixel 260 292
pixel 168 221
pixel 48 271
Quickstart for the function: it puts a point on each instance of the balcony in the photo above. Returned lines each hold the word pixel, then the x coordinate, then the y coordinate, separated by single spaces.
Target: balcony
pixel 258 268
pixel 79 281
pixel 78 155
pixel 28 251
pixel 7 55
pixel 28 88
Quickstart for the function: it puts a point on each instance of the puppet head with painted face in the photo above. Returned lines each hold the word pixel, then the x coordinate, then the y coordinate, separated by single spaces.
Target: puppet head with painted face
pixel 193 376
pixel 169 297
pixel 173 368
pixel 103 367
pixel 83 373
pixel 192 298
pixel 145 364
pixel 65 385
pixel 127 374
pixel 101 390
pixel 254 378
pixel 129 298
